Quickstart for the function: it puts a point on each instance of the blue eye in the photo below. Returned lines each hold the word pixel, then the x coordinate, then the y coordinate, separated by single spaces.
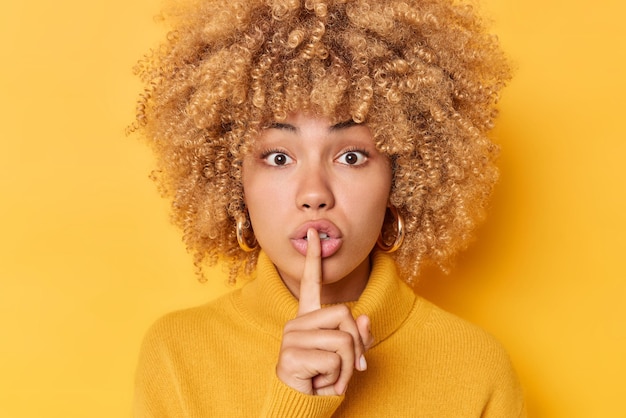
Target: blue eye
pixel 277 159
pixel 353 157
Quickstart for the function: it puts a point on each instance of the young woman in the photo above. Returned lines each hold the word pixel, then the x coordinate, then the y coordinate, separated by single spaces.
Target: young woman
pixel 326 149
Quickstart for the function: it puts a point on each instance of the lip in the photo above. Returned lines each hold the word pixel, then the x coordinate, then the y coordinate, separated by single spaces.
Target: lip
pixel 329 245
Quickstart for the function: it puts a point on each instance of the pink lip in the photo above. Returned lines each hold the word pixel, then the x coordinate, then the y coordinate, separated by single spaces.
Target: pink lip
pixel 329 246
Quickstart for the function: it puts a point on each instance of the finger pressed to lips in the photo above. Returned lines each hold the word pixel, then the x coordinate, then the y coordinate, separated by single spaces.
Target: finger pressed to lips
pixel 328 237
pixel 311 282
pixel 326 345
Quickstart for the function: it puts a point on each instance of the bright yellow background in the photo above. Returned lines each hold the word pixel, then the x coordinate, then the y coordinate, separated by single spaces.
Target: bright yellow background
pixel 88 259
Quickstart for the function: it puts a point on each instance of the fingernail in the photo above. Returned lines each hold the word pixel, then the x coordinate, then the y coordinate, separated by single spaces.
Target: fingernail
pixel 362 363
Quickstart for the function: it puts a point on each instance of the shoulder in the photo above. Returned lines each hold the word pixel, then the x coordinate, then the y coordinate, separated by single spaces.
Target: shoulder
pixel 441 340
pixel 445 328
pixel 184 326
pixel 457 358
pixel 473 355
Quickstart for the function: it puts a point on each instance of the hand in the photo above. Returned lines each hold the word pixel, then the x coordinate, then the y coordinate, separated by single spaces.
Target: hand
pixel 321 347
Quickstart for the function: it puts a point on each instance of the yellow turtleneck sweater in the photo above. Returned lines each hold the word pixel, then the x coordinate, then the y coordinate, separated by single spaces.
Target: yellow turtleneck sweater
pixel 219 360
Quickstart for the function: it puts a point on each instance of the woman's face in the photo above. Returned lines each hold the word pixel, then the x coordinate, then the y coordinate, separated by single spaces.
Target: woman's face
pixel 305 172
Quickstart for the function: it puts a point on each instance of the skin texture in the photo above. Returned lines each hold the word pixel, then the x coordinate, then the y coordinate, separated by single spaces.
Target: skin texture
pixel 316 187
pixel 320 178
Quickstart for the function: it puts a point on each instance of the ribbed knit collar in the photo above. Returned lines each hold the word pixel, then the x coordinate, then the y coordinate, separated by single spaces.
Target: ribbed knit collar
pixel 387 300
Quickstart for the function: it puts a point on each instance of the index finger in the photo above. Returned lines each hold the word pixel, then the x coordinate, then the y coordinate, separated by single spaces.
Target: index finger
pixel 311 282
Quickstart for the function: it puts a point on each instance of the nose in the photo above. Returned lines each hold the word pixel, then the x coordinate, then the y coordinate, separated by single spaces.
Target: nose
pixel 314 190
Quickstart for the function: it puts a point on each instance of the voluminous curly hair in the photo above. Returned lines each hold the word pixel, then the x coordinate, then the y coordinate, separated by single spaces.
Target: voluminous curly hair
pixel 424 75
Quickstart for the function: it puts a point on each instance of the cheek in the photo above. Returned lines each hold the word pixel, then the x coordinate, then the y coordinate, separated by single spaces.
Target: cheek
pixel 380 201
pixel 264 202
pixel 254 187
pixel 253 192
pixel 369 213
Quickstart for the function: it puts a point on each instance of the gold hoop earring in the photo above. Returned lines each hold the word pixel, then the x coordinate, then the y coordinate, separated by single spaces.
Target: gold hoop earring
pixel 241 239
pixel 380 242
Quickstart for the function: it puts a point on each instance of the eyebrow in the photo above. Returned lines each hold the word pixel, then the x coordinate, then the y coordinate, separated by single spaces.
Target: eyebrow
pixel 288 127
pixel 282 126
pixel 343 125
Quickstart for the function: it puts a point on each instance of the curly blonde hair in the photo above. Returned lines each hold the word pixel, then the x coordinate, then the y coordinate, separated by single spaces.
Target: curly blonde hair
pixel 424 75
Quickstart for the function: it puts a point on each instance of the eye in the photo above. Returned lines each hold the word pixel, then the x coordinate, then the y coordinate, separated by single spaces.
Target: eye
pixel 277 158
pixel 353 157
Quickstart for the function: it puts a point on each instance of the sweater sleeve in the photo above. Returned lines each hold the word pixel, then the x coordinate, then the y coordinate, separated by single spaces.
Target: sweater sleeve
pixel 283 401
pixel 163 388
pixel 157 387
pixel 507 402
pixel 507 397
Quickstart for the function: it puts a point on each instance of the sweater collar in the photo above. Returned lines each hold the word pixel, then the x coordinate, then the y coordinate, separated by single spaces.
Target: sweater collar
pixel 387 300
